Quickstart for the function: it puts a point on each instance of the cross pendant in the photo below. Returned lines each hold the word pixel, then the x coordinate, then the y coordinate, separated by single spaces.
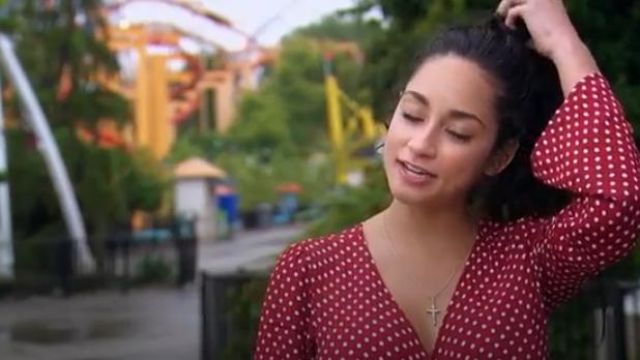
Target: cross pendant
pixel 433 311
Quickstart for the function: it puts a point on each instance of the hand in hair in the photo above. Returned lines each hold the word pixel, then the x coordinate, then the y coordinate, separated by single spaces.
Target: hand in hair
pixel 553 35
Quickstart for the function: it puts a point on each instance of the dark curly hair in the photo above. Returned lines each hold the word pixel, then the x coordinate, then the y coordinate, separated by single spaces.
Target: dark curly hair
pixel 529 92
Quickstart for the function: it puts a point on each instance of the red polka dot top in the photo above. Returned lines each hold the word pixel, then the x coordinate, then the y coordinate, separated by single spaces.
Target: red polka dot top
pixel 326 298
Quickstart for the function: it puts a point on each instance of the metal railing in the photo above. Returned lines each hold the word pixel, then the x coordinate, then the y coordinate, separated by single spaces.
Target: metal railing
pixel 602 323
pixel 47 264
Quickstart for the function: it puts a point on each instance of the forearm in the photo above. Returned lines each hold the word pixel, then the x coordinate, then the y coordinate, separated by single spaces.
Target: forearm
pixel 573 61
pixel 587 149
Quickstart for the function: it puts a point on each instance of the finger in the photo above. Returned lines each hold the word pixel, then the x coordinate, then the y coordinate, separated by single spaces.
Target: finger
pixel 505 5
pixel 513 14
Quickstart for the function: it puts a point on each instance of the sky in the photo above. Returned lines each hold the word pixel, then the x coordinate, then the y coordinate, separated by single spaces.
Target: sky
pixel 276 17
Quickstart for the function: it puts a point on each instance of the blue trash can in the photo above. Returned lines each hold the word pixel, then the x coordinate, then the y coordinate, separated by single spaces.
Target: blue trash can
pixel 228 203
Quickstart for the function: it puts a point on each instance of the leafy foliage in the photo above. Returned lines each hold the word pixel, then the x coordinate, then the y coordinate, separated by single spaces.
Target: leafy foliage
pixel 262 122
pixel 280 134
pixel 110 184
pixel 244 314
pixel 153 270
pixel 347 206
pixel 257 179
pixel 61 39
pixel 342 27
pixel 608 28
pixel 290 107
pixel 58 45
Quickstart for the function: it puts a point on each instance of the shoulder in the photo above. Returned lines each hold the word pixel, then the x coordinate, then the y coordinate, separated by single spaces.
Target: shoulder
pixel 313 252
pixel 514 233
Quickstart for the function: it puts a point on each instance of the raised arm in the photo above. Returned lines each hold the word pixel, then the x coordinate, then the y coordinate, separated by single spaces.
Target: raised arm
pixel 587 149
pixel 554 36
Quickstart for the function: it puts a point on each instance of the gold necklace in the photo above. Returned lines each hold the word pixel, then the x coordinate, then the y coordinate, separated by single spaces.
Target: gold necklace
pixel 433 309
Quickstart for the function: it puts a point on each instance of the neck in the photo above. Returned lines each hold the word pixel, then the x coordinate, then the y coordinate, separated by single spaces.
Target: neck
pixel 441 230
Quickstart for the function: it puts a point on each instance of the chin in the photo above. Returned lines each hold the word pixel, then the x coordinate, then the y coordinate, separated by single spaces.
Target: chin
pixel 406 200
pixel 412 198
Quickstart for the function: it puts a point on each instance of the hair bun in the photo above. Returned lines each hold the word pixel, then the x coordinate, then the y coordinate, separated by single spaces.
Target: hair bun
pixel 497 22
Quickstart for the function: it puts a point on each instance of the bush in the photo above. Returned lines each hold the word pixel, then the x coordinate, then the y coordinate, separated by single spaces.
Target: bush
pixel 347 206
pixel 153 269
pixel 244 315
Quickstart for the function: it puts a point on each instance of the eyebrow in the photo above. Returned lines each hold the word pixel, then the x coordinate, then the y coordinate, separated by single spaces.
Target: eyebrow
pixel 454 114
pixel 416 95
pixel 462 115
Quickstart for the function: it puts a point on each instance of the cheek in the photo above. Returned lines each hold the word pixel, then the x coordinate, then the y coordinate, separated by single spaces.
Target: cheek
pixel 464 164
pixel 394 139
pixel 389 153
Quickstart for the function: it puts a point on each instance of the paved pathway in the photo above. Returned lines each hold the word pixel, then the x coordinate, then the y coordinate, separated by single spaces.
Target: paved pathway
pixel 155 323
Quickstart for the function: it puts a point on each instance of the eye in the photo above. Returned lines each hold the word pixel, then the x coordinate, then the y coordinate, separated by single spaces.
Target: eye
pixel 458 136
pixel 411 118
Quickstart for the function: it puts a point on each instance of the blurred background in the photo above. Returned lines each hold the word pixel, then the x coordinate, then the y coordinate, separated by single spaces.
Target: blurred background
pixel 157 155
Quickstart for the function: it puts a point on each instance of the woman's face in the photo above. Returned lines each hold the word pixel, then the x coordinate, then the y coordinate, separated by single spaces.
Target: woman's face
pixel 442 133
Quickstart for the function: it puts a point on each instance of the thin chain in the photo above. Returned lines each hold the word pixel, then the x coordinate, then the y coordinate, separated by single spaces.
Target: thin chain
pixel 395 253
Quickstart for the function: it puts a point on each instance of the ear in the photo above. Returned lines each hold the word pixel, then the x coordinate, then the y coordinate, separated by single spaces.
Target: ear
pixel 501 158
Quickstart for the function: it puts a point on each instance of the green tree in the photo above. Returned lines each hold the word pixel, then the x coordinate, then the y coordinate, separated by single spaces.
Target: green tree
pixel 290 106
pixel 607 27
pixel 194 143
pixel 60 40
pixel 347 27
pixel 57 41
pixel 283 125
pixel 257 178
pixel 610 29
pixel 110 184
pixel 262 122
pixel 345 206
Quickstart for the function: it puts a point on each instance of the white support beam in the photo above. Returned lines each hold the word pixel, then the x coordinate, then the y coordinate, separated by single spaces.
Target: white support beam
pixel 6 241
pixel 49 149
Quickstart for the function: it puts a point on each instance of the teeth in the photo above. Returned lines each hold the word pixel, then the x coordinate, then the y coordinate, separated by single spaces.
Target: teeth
pixel 414 169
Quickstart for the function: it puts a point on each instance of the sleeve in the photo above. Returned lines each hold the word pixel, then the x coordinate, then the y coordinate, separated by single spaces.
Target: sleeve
pixel 284 318
pixel 588 149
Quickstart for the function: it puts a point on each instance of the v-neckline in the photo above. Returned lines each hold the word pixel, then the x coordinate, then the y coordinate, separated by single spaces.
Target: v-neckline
pixel 396 305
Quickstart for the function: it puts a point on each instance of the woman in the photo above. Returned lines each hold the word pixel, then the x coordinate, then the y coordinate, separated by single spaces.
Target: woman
pixel 430 277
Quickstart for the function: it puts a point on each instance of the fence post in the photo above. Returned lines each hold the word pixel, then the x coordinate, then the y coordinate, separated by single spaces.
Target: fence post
pixel 64 264
pixel 126 250
pixel 187 249
pixel 616 294
pixel 214 306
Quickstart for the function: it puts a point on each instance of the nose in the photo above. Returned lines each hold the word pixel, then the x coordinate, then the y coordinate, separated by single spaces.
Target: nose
pixel 424 142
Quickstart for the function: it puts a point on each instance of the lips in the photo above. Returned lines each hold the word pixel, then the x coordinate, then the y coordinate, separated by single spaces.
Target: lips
pixel 416 170
pixel 414 175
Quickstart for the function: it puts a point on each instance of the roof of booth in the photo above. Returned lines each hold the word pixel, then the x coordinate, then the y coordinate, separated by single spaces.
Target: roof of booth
pixel 196 167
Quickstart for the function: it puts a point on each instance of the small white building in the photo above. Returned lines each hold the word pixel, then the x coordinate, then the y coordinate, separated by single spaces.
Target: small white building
pixel 195 181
